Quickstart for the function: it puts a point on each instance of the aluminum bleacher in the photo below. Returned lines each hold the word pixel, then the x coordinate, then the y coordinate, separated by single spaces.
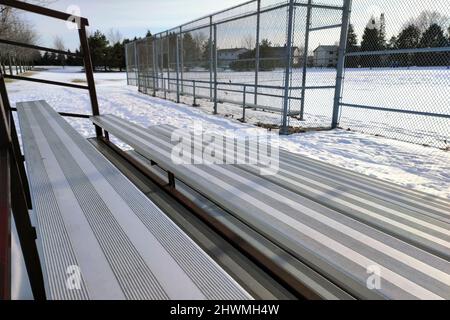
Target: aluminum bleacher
pixel 338 240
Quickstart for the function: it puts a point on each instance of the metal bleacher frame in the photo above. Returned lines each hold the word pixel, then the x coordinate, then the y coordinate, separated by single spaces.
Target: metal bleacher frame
pixel 15 197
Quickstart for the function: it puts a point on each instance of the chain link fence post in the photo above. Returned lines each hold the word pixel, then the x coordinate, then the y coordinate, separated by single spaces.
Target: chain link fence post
pixel 341 62
pixel 257 49
pixel 215 68
pixel 210 58
pixel 182 59
pixel 178 67
pixel 305 59
pixel 284 126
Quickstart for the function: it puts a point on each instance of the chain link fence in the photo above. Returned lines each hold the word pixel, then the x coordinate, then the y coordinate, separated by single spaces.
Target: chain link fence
pixel 376 66
pixel 250 58
pixel 397 71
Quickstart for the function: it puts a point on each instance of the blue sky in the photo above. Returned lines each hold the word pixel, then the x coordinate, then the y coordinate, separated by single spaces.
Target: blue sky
pixel 133 17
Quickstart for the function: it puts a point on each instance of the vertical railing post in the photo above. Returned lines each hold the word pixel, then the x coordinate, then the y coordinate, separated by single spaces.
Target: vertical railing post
pixel 341 61
pixel 244 102
pixel 164 87
pixel 5 227
pixel 182 59
pixel 305 59
pixel 168 61
pixel 178 67
pixel 210 59
pixel 154 65
pixel 136 67
pixel 147 69
pixel 194 94
pixel 215 69
pixel 126 63
pixel 10 65
pixel 284 129
pixel 258 25
pixel 163 82
pixel 89 70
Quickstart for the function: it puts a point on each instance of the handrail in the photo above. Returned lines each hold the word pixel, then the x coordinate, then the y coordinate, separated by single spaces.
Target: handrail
pixel 56 83
pixel 85 51
pixel 44 11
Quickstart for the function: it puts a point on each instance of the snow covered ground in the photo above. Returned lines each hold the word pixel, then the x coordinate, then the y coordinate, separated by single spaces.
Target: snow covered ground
pixel 414 166
pixel 415 89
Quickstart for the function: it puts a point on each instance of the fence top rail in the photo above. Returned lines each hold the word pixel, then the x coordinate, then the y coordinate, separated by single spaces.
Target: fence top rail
pixel 44 11
pixel 179 29
pixel 270 7
pixel 227 19
pixel 218 12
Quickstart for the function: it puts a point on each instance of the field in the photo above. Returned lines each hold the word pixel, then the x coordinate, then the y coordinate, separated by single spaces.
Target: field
pixel 416 89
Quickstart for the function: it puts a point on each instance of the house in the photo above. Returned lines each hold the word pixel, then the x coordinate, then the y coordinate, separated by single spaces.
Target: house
pixel 279 54
pixel 326 56
pixel 270 58
pixel 227 56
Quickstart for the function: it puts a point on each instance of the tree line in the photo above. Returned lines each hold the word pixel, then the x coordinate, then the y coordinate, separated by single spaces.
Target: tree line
pixel 107 53
pixel 13 28
pixel 429 30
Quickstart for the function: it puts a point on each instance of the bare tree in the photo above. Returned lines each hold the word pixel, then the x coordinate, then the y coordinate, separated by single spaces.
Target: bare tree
pixel 13 27
pixel 114 36
pixel 58 43
pixel 248 42
pixel 427 18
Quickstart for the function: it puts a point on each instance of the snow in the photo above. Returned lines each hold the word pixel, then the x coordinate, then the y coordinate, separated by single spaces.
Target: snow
pixel 415 89
pixel 413 166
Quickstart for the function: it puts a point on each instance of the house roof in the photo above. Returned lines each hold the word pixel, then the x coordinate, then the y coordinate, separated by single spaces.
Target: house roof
pixel 232 50
pixel 326 47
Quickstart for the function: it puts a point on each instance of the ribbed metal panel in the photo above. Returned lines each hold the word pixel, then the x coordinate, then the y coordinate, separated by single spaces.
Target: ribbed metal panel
pixel 147 255
pixel 58 253
pixel 333 243
pixel 361 185
pixel 411 226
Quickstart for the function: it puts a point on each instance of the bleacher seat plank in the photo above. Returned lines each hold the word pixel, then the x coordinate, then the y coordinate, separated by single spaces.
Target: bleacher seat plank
pixel 89 215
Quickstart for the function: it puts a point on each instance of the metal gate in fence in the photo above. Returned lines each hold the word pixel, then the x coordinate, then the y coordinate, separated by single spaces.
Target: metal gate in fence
pixel 254 55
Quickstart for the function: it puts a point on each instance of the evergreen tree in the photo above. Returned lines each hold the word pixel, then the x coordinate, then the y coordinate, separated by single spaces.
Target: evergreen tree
pixel 191 51
pixel 45 61
pixel 352 39
pixel 408 38
pixel 116 56
pixel 70 59
pixel 98 45
pixel 53 59
pixel 382 32
pixel 370 42
pixel 433 37
pixel 392 43
pixel 78 60
pixel 352 46
pixel 246 60
pixel 205 49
